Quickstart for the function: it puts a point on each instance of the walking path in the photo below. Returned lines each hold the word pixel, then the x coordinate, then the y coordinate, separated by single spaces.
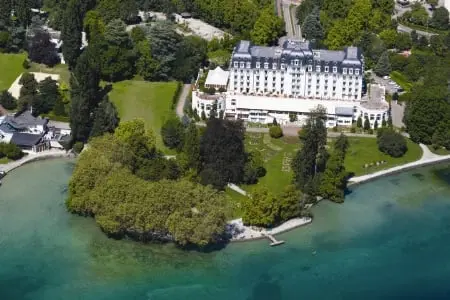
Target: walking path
pixel 182 100
pixel 31 157
pixel 427 158
pixel 240 232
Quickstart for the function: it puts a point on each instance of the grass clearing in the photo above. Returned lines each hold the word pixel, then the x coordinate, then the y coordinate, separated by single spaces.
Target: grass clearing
pixel 11 68
pixel 151 101
pixel 440 151
pixel 365 151
pixel 4 160
pixel 401 80
pixel 61 70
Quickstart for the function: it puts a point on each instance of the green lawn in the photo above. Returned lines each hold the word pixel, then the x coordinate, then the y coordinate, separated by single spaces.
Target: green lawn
pixel 401 80
pixel 440 151
pixel 365 151
pixel 62 70
pixel 4 160
pixel 277 155
pixel 151 101
pixel 11 68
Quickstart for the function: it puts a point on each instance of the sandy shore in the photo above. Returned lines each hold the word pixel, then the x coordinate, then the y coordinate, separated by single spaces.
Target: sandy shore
pixel 240 232
pixel 54 153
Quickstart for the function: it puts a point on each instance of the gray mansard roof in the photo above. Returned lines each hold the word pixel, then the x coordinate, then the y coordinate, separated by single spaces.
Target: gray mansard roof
pixel 291 50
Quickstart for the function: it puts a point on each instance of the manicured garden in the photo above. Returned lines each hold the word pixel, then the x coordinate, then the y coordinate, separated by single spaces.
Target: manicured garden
pixel 11 68
pixel 151 101
pixel 364 151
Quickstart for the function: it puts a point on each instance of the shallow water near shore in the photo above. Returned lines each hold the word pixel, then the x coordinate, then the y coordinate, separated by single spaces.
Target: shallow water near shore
pixel 388 241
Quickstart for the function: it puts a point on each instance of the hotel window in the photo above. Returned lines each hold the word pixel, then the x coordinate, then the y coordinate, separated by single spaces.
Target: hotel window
pixel 233 101
pixel 274 65
pixel 344 71
pixel 266 65
pixel 356 71
pixel 248 65
pixel 350 71
pixel 334 69
pixel 241 65
pixel 258 65
pixel 296 62
pixel 309 68
pixel 326 69
pixel 317 68
pixel 282 66
pixel 236 64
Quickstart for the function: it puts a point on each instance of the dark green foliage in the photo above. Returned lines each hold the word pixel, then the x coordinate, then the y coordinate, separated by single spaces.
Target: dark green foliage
pixel 383 66
pixel 392 143
pixel 191 146
pixel 172 133
pixel 310 160
pixel 28 91
pixel 275 132
pixel 440 18
pixel 375 125
pixel 334 179
pixel 222 153
pixel 366 124
pixel 26 64
pixel 78 147
pixel 106 118
pixel 311 28
pixel 71 33
pixel 359 122
pixel 191 54
pixel 441 136
pixel 305 8
pixel 7 100
pixel 85 94
pixel 427 106
pixel 10 151
pixel 254 168
pixel 268 28
pixel 48 96
pixel 23 11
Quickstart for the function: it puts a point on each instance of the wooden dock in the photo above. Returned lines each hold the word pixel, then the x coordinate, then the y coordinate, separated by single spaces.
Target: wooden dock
pixel 274 241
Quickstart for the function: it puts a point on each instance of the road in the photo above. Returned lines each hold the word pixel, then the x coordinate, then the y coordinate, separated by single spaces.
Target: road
pixel 292 28
pixel 403 28
pixel 182 100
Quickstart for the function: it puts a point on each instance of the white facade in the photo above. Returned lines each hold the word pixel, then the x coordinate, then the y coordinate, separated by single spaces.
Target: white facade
pixel 267 83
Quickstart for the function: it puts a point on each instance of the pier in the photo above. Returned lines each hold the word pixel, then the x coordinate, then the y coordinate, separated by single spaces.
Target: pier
pixel 274 241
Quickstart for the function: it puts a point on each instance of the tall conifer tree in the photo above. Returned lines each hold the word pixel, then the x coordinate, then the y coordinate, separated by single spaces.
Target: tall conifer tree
pixel 71 33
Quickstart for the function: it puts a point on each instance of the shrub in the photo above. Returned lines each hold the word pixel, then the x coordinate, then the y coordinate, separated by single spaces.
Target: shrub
pixel 370 131
pixel 353 130
pixel 78 147
pixel 275 132
pixel 392 143
pixel 7 100
pixel 11 151
pixel 26 64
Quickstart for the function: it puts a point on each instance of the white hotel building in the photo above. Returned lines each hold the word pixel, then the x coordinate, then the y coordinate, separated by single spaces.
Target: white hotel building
pixel 273 82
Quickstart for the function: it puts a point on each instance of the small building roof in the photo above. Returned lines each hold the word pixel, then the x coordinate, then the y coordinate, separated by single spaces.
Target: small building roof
pixel 24 120
pixel 25 139
pixel 217 77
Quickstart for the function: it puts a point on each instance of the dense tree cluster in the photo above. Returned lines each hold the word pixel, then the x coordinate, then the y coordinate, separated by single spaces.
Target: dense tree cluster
pixel 316 171
pixel 7 100
pixel 391 142
pixel 10 151
pixel 263 208
pixel 111 184
pixel 343 22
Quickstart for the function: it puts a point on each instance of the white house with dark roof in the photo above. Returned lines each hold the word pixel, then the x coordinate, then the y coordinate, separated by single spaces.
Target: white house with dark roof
pixel 292 79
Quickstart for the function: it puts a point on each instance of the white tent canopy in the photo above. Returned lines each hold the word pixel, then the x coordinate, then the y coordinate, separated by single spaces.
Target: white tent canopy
pixel 217 78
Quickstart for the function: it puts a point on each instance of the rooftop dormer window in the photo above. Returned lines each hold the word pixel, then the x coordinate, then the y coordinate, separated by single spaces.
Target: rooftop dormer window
pixel 274 66
pixel 317 68
pixel 248 65
pixel 334 69
pixel 258 65
pixel 310 68
pixel 356 71
pixel 350 71
pixel 266 65
pixel 344 71
pixel 236 64
pixel 241 65
pixel 296 62
pixel 327 69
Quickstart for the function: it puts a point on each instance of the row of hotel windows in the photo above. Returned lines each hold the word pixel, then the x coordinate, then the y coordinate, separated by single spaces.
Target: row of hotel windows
pixel 296 91
pixel 274 66
pixel 266 78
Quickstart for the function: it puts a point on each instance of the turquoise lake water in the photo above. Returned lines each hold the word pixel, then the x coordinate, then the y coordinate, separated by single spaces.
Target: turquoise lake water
pixel 390 240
